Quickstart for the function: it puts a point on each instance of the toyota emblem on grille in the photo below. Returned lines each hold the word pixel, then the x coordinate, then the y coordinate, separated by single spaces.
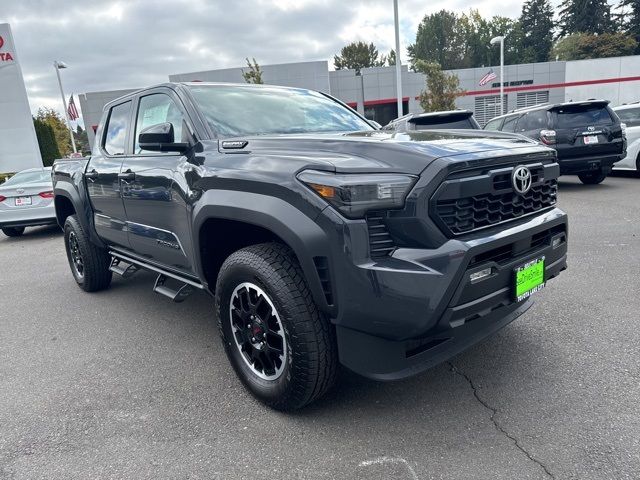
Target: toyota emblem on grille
pixel 521 179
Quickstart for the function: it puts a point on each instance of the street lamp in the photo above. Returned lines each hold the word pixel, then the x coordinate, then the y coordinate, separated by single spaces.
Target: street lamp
pixel 495 41
pixel 398 62
pixel 59 66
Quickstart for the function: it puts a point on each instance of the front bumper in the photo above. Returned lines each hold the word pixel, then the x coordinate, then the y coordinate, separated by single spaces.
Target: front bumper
pixel 403 314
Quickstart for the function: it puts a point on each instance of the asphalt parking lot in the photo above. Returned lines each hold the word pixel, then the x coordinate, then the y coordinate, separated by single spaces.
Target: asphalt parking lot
pixel 125 384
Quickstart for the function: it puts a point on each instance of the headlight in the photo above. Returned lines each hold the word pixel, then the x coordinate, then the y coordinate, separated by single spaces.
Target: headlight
pixel 354 193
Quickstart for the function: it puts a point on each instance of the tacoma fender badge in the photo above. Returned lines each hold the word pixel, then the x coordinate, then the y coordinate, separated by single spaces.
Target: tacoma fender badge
pixel 234 144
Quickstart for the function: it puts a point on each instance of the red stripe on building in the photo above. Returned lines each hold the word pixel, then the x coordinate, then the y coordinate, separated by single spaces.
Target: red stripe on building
pixel 549 86
pixel 371 103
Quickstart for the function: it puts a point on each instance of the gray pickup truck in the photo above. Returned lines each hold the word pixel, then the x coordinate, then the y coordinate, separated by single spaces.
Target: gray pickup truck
pixel 322 239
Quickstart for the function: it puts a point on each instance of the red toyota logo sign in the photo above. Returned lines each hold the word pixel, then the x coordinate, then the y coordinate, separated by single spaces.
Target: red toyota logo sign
pixel 1 42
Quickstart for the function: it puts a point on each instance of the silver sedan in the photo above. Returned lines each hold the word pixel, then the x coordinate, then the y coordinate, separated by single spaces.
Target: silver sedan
pixel 26 200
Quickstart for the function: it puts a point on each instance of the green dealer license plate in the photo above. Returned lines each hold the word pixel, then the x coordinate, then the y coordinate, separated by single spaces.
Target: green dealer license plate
pixel 529 278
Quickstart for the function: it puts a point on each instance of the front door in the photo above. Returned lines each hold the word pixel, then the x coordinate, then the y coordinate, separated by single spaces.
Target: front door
pixel 153 188
pixel 102 176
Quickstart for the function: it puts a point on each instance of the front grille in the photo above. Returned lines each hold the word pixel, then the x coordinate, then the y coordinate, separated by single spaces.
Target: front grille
pixel 491 199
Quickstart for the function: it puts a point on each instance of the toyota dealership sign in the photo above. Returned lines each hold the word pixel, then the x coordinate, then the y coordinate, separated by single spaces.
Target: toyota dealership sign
pixel 18 142
pixel 5 57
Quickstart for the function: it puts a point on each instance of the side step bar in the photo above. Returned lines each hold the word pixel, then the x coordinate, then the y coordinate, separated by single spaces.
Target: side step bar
pixel 168 284
pixel 122 269
pixel 178 294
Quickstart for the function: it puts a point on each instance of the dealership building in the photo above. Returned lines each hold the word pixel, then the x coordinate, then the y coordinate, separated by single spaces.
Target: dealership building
pixel 373 91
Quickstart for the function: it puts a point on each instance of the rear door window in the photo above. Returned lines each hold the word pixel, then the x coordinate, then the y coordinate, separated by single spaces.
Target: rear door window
pixel 494 124
pixel 581 116
pixel 629 116
pixel 510 124
pixel 117 126
pixel 532 121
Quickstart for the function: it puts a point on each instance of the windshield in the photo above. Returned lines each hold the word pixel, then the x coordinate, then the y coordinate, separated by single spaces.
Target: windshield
pixel 38 176
pixel 580 116
pixel 629 116
pixel 238 110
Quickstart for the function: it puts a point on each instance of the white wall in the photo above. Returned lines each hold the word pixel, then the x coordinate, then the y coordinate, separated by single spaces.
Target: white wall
pixel 604 68
pixel 18 142
pixel 311 75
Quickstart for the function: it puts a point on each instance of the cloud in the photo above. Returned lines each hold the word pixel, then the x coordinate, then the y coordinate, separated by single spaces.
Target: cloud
pixel 110 45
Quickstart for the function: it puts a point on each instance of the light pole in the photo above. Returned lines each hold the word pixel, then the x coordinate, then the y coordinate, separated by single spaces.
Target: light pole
pixel 398 62
pixel 59 66
pixel 494 41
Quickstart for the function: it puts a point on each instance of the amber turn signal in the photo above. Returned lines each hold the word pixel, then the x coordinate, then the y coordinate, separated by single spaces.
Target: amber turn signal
pixel 323 190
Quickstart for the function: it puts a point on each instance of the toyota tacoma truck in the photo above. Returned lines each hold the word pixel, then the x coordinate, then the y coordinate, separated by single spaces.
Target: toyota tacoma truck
pixel 323 240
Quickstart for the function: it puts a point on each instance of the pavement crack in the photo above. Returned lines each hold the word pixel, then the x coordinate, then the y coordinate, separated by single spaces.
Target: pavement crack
pixel 495 422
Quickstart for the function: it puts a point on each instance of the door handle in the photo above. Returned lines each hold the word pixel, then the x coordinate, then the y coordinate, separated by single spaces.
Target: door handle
pixel 92 174
pixel 127 175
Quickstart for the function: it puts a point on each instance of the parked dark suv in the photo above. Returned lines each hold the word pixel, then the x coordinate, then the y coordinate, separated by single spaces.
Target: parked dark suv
pixel 451 119
pixel 588 136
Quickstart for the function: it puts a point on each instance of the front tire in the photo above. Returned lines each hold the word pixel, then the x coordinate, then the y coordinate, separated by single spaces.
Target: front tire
pixel 89 263
pixel 13 231
pixel 592 178
pixel 280 345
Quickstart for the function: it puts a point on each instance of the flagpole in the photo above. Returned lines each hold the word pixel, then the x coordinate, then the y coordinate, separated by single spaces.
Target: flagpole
pixel 58 66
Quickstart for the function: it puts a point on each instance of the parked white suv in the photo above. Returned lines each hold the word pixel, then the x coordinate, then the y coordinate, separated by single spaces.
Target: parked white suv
pixel 630 116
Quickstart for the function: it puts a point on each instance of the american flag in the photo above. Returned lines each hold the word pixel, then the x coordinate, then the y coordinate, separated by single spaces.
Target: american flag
pixel 490 75
pixel 72 110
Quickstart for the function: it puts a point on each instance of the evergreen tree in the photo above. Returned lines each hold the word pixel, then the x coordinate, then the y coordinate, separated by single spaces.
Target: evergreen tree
pixel 391 58
pixel 59 127
pixel 358 55
pixel 46 142
pixel 440 39
pixel 536 22
pixel 585 16
pixel 630 19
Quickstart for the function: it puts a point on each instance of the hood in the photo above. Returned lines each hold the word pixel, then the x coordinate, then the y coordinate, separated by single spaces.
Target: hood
pixel 402 152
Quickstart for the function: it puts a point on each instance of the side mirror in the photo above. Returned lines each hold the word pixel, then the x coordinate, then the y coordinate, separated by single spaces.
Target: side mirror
pixel 160 138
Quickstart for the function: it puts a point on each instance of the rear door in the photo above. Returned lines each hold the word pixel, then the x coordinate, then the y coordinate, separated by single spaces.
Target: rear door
pixel 532 123
pixel 586 129
pixel 154 189
pixel 102 175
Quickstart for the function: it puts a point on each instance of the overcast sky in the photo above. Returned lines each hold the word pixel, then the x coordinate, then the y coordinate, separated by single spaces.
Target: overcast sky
pixel 128 44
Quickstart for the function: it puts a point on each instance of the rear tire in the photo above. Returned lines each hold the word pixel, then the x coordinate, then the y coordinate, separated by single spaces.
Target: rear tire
pixel 592 178
pixel 293 360
pixel 13 231
pixel 89 263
